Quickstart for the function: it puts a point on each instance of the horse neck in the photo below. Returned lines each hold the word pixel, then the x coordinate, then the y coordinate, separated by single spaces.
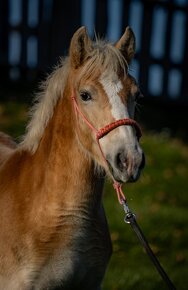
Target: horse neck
pixel 69 173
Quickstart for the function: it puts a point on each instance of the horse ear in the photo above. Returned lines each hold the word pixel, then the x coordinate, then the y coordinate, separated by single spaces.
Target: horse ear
pixel 79 47
pixel 126 44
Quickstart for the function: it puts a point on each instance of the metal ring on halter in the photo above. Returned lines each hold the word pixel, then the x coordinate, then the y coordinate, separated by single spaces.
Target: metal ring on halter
pixel 129 216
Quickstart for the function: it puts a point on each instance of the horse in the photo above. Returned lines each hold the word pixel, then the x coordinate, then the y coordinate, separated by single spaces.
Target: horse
pixel 54 232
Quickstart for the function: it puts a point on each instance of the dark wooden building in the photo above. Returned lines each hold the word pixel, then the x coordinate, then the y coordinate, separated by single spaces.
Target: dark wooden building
pixel 34 33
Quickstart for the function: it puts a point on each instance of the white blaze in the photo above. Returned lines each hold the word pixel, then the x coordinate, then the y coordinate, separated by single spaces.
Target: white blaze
pixel 124 135
pixel 112 87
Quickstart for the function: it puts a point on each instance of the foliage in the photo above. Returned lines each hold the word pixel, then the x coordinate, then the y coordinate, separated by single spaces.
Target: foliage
pixel 160 202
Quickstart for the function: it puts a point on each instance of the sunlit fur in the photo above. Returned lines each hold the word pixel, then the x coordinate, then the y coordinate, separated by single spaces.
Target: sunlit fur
pixel 53 227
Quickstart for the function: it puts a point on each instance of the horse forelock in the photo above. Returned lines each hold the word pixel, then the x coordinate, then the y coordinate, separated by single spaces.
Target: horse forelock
pixel 103 57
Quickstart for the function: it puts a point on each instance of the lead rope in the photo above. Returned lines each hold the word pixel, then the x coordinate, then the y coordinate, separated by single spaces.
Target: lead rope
pixel 130 218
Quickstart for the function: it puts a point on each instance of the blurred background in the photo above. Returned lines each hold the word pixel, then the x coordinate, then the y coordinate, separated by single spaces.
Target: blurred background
pixel 35 33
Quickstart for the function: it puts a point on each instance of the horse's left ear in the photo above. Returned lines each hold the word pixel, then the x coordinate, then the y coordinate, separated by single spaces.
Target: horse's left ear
pixel 126 44
pixel 79 47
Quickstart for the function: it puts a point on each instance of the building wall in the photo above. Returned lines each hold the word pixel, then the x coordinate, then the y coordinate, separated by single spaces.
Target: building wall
pixel 34 33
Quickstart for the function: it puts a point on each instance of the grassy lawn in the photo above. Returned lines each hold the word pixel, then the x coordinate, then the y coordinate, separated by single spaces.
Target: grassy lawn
pixel 160 202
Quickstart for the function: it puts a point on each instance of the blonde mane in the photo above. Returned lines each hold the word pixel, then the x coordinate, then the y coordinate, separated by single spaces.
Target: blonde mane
pixel 44 103
pixel 103 55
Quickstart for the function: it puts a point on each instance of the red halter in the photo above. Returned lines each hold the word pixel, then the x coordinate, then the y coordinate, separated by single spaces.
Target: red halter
pixel 104 131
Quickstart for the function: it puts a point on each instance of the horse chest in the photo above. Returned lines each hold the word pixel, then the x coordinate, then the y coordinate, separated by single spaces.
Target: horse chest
pixel 81 263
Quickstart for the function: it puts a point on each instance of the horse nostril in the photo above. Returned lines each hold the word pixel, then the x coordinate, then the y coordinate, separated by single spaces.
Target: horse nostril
pixel 121 160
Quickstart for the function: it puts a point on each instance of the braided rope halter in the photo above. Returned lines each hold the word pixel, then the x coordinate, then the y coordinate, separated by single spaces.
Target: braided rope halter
pixel 129 217
pixel 100 133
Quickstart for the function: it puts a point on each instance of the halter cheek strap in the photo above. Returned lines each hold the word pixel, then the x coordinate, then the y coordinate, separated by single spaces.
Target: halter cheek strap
pixel 104 131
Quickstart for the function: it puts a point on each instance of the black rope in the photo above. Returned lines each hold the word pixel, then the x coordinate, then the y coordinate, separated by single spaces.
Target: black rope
pixel 130 219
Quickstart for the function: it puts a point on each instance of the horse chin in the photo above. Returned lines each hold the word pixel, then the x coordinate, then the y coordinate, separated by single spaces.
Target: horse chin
pixel 123 177
pixel 120 177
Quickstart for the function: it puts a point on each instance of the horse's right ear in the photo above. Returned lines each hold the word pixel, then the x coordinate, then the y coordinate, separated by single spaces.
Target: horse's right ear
pixel 79 47
pixel 126 44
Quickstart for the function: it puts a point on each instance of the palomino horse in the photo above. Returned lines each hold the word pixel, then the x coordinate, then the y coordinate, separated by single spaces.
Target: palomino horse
pixel 54 233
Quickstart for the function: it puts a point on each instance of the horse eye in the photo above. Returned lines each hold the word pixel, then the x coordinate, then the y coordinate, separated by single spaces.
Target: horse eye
pixel 85 96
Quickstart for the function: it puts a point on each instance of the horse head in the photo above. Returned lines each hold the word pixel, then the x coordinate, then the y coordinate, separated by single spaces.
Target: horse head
pixel 104 93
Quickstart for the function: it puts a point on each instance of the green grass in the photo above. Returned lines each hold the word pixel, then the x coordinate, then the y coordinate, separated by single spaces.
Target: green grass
pixel 160 202
pixel 13 118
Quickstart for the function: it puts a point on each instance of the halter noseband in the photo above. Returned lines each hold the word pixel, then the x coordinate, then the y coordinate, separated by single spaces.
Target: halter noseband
pixel 104 131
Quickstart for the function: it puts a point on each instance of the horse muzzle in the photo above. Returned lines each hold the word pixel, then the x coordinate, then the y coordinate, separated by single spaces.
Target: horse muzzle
pixel 126 165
